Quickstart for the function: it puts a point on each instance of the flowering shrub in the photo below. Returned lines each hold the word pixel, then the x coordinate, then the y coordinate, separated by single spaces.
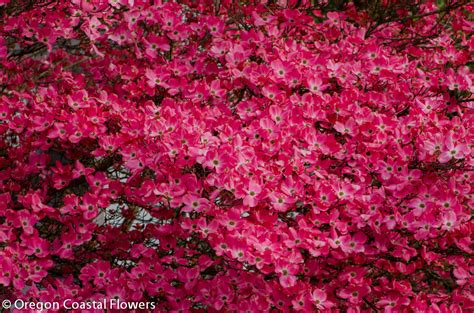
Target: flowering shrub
pixel 238 155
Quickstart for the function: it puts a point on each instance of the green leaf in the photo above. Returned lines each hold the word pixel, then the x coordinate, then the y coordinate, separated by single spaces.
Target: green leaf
pixel 441 4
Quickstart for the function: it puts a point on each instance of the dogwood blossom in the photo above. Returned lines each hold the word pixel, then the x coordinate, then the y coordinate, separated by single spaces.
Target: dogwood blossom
pixel 238 156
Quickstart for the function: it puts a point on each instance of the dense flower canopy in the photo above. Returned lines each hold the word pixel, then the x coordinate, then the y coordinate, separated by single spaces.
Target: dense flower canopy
pixel 238 155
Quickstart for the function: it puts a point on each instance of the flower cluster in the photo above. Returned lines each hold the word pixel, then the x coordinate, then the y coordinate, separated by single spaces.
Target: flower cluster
pixel 238 155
